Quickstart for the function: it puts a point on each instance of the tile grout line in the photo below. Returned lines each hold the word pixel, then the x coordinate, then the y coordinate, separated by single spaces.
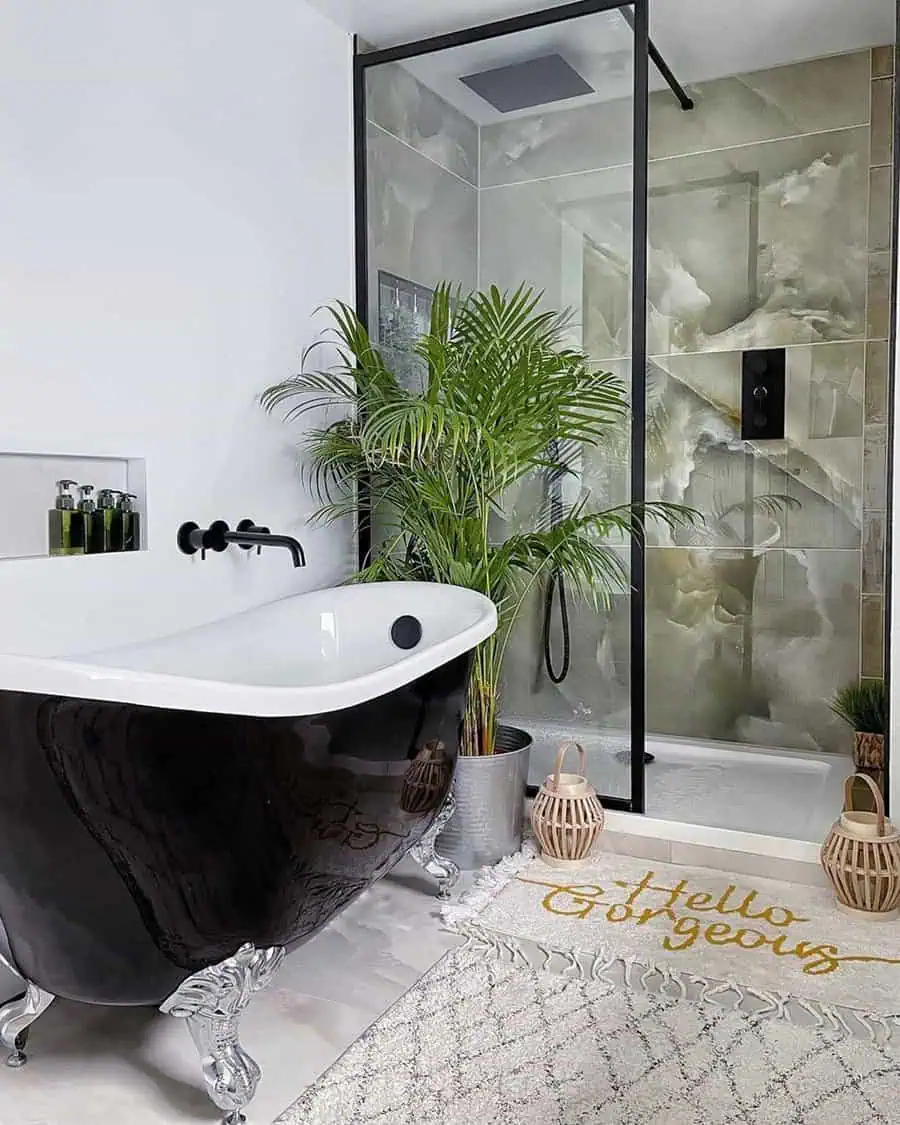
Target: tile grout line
pixel 681 155
pixel 424 155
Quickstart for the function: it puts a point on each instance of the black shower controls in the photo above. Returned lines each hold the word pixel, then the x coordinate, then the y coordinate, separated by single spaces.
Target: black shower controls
pixel 763 394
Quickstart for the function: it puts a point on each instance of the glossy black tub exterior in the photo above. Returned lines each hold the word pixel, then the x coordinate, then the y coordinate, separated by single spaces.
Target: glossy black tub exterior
pixel 138 845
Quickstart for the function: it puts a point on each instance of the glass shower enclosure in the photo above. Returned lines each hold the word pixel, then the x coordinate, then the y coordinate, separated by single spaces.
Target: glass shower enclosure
pixel 691 234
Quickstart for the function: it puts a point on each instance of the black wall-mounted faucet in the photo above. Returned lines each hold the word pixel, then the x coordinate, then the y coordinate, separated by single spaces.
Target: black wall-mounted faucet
pixel 217 537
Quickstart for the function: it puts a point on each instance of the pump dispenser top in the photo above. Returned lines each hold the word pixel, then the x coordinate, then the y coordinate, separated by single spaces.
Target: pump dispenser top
pixel 64 500
pixel 86 503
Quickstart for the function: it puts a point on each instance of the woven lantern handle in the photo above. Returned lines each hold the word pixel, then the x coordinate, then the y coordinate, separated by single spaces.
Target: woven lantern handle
pixel 560 756
pixel 876 794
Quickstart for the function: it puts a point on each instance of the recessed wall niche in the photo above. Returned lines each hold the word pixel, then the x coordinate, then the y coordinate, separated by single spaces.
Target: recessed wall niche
pixel 28 490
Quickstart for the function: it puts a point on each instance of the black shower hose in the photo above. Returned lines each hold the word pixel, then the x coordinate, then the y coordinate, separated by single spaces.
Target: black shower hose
pixel 557 582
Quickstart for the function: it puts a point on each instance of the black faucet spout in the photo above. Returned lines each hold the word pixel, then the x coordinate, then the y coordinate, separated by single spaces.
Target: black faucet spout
pixel 217 537
pixel 267 539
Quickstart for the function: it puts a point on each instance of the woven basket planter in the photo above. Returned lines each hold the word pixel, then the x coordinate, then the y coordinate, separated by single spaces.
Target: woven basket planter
pixel 861 857
pixel 566 815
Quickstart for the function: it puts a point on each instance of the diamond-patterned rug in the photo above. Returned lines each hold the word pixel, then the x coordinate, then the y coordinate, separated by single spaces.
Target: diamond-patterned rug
pixel 480 1041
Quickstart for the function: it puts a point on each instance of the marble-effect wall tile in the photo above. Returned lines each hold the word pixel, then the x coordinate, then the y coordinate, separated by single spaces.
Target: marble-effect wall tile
pixel 880 193
pixel 879 297
pixel 873 553
pixel 831 93
pixel 786 101
pixel 875 467
pixel 883 61
pixel 804 491
pixel 872 634
pixel 835 376
pixel 759 246
pixel 413 113
pixel 750 646
pixel 767 227
pixel 423 220
pixel 876 381
pixel 882 121
pixel 542 232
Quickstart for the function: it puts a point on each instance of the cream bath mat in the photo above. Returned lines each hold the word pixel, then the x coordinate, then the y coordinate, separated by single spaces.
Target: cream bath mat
pixel 479 1041
pixel 757 945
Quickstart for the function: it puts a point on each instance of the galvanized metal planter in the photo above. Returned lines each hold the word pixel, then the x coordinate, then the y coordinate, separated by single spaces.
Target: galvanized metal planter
pixel 490 803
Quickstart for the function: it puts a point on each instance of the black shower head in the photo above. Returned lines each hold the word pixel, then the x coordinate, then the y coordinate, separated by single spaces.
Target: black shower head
pixel 548 78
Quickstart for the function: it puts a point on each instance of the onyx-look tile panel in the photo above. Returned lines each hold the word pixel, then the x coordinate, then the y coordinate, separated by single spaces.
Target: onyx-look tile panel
pixel 804 491
pixel 787 101
pixel 875 468
pixel 423 220
pixel 543 232
pixel 872 637
pixel 747 646
pixel 882 62
pixel 878 320
pixel 766 228
pixel 880 187
pixel 873 553
pixel 755 247
pixel 413 113
pixel 876 381
pixel 882 121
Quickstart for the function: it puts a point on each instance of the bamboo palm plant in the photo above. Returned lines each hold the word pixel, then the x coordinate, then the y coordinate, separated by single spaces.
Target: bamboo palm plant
pixel 502 398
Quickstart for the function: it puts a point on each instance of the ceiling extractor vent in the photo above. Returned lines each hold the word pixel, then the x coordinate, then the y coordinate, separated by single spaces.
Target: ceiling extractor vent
pixel 548 78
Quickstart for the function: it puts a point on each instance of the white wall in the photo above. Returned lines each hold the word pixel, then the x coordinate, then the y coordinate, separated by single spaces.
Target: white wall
pixel 175 201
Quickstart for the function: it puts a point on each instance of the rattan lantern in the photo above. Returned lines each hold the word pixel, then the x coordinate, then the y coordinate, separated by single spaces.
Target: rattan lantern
pixel 861 857
pixel 427 779
pixel 566 815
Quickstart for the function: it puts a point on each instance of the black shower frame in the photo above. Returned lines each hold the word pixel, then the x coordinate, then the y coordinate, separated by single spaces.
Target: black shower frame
pixel 889 533
pixel 362 61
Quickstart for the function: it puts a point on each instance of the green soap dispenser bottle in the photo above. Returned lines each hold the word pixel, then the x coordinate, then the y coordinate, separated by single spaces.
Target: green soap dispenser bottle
pixel 93 532
pixel 131 522
pixel 109 521
pixel 65 524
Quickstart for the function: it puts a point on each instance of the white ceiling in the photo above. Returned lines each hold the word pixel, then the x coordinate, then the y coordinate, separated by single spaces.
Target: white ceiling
pixel 599 47
pixel 699 38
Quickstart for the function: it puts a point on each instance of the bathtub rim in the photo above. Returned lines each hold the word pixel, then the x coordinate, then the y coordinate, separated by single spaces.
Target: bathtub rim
pixel 75 676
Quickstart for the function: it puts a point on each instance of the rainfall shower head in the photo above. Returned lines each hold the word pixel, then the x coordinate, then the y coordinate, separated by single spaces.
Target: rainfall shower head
pixel 548 78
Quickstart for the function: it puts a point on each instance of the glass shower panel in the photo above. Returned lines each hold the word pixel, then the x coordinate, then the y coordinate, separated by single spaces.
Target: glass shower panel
pixel 760 236
pixel 758 243
pixel 555 212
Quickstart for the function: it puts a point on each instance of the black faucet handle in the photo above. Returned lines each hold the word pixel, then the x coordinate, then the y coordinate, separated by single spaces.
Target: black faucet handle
pixel 250 525
pixel 192 538
pixel 189 538
pixel 214 537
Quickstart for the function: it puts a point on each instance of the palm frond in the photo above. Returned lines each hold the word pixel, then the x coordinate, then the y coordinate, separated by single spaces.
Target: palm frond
pixel 506 405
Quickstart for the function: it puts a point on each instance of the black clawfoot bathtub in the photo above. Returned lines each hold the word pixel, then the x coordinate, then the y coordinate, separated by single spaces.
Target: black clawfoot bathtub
pixel 175 815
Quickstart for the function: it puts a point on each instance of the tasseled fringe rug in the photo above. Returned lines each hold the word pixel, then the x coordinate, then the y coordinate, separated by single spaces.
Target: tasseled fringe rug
pixel 759 946
pixel 480 1041
pixel 633 993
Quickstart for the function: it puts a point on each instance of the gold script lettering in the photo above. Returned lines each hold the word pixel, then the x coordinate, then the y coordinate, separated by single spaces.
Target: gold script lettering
pixel 579 900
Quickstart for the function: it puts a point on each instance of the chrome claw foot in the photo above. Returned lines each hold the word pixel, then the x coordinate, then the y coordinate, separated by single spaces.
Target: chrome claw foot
pixel 16 1018
pixel 212 1002
pixel 444 870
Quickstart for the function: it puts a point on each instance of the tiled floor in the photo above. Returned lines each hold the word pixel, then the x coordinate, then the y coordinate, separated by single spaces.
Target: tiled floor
pixel 133 1066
